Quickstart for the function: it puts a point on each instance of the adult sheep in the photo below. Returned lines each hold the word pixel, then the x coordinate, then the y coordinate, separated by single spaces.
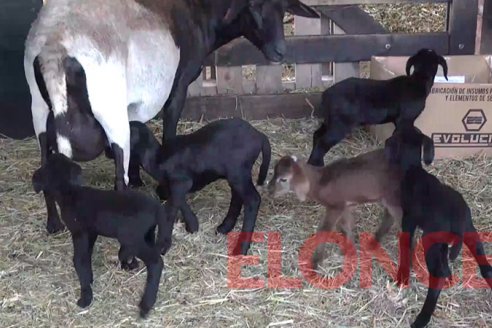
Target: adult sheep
pixel 96 65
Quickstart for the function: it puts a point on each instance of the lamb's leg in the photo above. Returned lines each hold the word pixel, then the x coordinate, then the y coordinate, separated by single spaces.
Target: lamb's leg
pixel 438 272
pixel 179 187
pixel 390 215
pixel 83 267
pixel 325 138
pixel 189 217
pixel 406 249
pixel 475 245
pixel 153 261
pixel 347 227
pixel 247 192
pixel 232 214
pixel 328 223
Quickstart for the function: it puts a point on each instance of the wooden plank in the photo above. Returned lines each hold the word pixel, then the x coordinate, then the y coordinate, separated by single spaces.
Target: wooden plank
pixel 338 48
pixel 307 75
pixel 252 107
pixel 268 79
pixel 366 2
pixel 352 19
pixel 462 26
pixel 486 31
pixel 343 71
pixel 229 80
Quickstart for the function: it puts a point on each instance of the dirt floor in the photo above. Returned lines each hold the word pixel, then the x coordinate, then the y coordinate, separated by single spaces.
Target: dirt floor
pixel 39 288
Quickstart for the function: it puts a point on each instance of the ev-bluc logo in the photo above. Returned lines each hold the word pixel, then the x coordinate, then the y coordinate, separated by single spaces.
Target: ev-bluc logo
pixel 473 122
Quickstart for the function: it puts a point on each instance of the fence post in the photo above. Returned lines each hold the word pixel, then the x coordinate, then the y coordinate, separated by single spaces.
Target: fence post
pixel 462 27
pixel 486 30
pixel 307 75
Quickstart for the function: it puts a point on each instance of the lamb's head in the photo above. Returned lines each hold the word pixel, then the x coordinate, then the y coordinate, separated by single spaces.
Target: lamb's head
pixel 57 172
pixel 261 22
pixel 288 177
pixel 405 146
pixel 426 63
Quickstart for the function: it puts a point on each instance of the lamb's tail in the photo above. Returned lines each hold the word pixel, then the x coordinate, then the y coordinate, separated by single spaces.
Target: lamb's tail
pixel 165 230
pixel 266 154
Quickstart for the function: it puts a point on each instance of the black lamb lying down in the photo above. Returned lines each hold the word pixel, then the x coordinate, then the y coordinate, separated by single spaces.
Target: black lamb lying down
pixel 224 149
pixel 129 216
pixel 439 210
pixel 355 102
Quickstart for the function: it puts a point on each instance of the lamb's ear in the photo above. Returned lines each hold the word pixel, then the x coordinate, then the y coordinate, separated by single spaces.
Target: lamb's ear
pixel 428 145
pixel 299 182
pixel 37 180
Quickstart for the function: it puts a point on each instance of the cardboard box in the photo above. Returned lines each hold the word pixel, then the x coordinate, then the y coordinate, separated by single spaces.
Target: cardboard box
pixel 458 112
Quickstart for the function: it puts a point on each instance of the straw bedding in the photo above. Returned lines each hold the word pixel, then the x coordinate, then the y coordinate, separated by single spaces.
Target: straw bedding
pixel 39 286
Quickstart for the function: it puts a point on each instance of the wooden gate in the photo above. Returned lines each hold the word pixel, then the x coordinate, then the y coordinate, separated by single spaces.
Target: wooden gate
pixel 322 51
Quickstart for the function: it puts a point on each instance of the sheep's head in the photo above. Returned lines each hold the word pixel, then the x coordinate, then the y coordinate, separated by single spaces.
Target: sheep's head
pixel 426 62
pixel 58 171
pixel 287 177
pixel 261 22
pixel 404 147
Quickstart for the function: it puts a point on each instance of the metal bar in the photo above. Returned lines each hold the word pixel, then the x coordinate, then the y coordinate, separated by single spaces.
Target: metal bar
pixel 486 37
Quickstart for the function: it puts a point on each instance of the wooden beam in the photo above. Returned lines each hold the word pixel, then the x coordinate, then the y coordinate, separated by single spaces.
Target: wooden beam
pixel 367 2
pixel 352 20
pixel 462 26
pixel 486 37
pixel 251 107
pixel 337 48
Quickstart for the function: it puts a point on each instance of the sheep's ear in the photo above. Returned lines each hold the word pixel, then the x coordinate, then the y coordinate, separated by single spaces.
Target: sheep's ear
pixel 428 144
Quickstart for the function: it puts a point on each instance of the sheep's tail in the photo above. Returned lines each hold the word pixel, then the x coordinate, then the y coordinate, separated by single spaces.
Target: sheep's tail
pixel 458 241
pixel 51 61
pixel 266 155
pixel 165 230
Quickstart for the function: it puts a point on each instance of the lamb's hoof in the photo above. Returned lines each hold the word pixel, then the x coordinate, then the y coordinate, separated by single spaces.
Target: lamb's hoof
pixel 85 300
pixel 144 309
pixel 129 266
pixel 223 229
pixel 191 229
pixel 402 279
pixel 136 183
pixel 54 226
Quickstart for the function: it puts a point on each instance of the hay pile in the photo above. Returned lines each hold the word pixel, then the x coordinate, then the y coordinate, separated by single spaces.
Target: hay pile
pixel 38 285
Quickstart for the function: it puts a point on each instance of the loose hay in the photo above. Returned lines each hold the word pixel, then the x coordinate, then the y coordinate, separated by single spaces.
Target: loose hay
pixel 39 287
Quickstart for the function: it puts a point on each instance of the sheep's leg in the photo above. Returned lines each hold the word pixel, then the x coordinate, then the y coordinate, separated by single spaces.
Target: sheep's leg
pixel 232 215
pixel 325 138
pixel 110 110
pixel 153 261
pixel 247 192
pixel 174 106
pixel 328 223
pixel 134 173
pixel 406 249
pixel 82 264
pixel 437 275
pixel 475 245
